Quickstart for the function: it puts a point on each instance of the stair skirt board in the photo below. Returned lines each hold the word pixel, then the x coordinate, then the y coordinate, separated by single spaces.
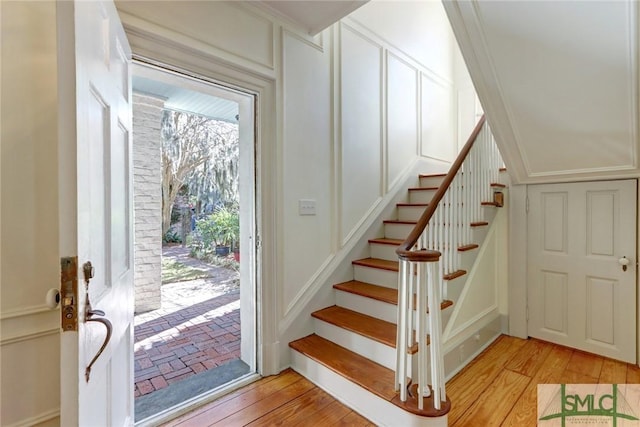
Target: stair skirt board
pixel 468 347
pixel 377 410
pixel 373 350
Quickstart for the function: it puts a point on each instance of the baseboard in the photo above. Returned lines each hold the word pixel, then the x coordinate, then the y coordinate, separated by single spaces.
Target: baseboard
pixel 465 350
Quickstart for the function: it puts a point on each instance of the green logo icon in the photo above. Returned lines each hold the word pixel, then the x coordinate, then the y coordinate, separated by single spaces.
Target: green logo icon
pixel 566 405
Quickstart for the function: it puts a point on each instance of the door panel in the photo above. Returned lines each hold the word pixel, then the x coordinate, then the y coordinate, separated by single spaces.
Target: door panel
pixel 97 215
pixel 578 294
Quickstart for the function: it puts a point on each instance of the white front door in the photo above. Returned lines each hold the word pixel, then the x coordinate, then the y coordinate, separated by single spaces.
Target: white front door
pixel 578 293
pixel 96 214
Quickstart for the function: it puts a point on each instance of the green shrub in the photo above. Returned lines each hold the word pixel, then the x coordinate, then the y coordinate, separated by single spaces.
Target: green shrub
pixel 221 228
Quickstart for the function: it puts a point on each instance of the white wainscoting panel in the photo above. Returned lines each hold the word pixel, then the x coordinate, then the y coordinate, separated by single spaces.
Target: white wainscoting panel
pixel 361 142
pixel 402 116
pixel 308 162
pixel 438 127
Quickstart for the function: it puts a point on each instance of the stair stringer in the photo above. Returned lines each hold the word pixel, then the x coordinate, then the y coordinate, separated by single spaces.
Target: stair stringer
pixel 480 311
pixel 318 292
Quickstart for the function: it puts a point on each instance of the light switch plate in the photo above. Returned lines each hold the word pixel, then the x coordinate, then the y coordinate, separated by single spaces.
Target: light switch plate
pixel 306 207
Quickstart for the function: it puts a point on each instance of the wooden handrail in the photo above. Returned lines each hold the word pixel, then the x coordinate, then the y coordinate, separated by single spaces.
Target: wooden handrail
pixel 425 255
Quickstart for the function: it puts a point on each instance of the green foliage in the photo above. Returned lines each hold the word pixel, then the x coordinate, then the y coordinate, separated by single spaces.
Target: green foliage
pixel 171 237
pixel 221 228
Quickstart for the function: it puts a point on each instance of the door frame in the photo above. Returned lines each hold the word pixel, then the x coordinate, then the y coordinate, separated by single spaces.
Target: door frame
pixel 164 52
pixel 518 260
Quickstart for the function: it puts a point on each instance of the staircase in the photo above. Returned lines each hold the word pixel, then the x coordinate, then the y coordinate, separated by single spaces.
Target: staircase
pixel 352 353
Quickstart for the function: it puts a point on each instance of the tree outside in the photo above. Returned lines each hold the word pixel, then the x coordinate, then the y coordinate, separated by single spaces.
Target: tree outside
pixel 200 181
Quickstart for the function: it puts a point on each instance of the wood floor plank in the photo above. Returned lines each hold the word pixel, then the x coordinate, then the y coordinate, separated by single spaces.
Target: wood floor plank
pixel 613 372
pixel 586 364
pixel 633 374
pixel 218 411
pixel 327 416
pixel 265 406
pixel 354 419
pixel 259 383
pixel 530 357
pixel 297 410
pixel 470 383
pixel 524 412
pixel 494 403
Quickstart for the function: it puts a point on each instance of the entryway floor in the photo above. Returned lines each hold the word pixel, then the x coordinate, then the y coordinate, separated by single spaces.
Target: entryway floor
pixel 196 329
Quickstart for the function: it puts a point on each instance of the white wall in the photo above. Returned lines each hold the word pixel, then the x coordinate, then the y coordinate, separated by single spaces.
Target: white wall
pixel 343 116
pixel 29 337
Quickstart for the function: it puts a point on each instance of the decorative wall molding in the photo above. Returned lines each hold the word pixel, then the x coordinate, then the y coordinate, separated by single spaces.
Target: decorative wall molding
pixel 139 29
pixel 316 42
pixel 37 419
pixel 322 276
pixel 355 25
pixel 28 323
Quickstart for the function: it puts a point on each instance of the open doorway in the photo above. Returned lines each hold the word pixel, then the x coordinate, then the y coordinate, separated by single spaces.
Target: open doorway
pixel 194 197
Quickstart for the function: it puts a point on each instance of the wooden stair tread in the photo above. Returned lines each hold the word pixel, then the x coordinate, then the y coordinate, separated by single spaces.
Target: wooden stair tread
pixel 479 224
pixel 399 221
pixel 385 241
pixel 379 293
pixel 466 248
pixel 382 264
pixel 373 377
pixel 431 175
pixel 423 188
pixel 412 205
pixel 497 185
pixel 378 330
pixel 367 374
pixel 454 275
pixel 489 204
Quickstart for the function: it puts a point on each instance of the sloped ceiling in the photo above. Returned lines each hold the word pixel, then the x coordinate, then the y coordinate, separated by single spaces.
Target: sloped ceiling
pixel 558 82
pixel 311 16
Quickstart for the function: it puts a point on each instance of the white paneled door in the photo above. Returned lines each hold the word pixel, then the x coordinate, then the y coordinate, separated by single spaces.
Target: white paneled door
pixel 95 215
pixel 579 293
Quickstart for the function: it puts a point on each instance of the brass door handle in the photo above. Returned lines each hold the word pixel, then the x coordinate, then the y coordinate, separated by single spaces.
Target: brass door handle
pixel 107 324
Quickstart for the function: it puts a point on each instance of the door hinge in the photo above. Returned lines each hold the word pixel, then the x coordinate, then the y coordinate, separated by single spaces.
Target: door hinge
pixel 258 242
pixel 527 204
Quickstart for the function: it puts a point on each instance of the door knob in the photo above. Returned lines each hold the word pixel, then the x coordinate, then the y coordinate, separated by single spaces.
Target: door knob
pixel 624 261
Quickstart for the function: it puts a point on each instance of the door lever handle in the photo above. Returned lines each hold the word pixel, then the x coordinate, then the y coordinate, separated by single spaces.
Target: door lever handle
pixel 107 324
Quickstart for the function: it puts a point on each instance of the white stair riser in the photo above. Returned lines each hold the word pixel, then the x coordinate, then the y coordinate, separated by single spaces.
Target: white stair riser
pixel 431 181
pixel 423 196
pixel 382 251
pixel 370 307
pixel 379 411
pixel 410 213
pixel 397 231
pixel 376 276
pixel 366 347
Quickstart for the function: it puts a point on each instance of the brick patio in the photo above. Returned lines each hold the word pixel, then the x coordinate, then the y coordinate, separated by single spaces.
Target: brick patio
pixel 197 328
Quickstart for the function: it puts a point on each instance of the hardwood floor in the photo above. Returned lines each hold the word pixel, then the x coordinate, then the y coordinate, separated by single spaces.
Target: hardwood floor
pixel 497 389
pixel 287 399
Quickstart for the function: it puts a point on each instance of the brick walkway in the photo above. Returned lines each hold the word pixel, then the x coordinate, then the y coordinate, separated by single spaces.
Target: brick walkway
pixel 197 328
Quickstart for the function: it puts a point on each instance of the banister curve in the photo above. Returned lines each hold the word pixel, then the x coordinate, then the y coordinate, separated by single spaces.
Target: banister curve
pixel 404 251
